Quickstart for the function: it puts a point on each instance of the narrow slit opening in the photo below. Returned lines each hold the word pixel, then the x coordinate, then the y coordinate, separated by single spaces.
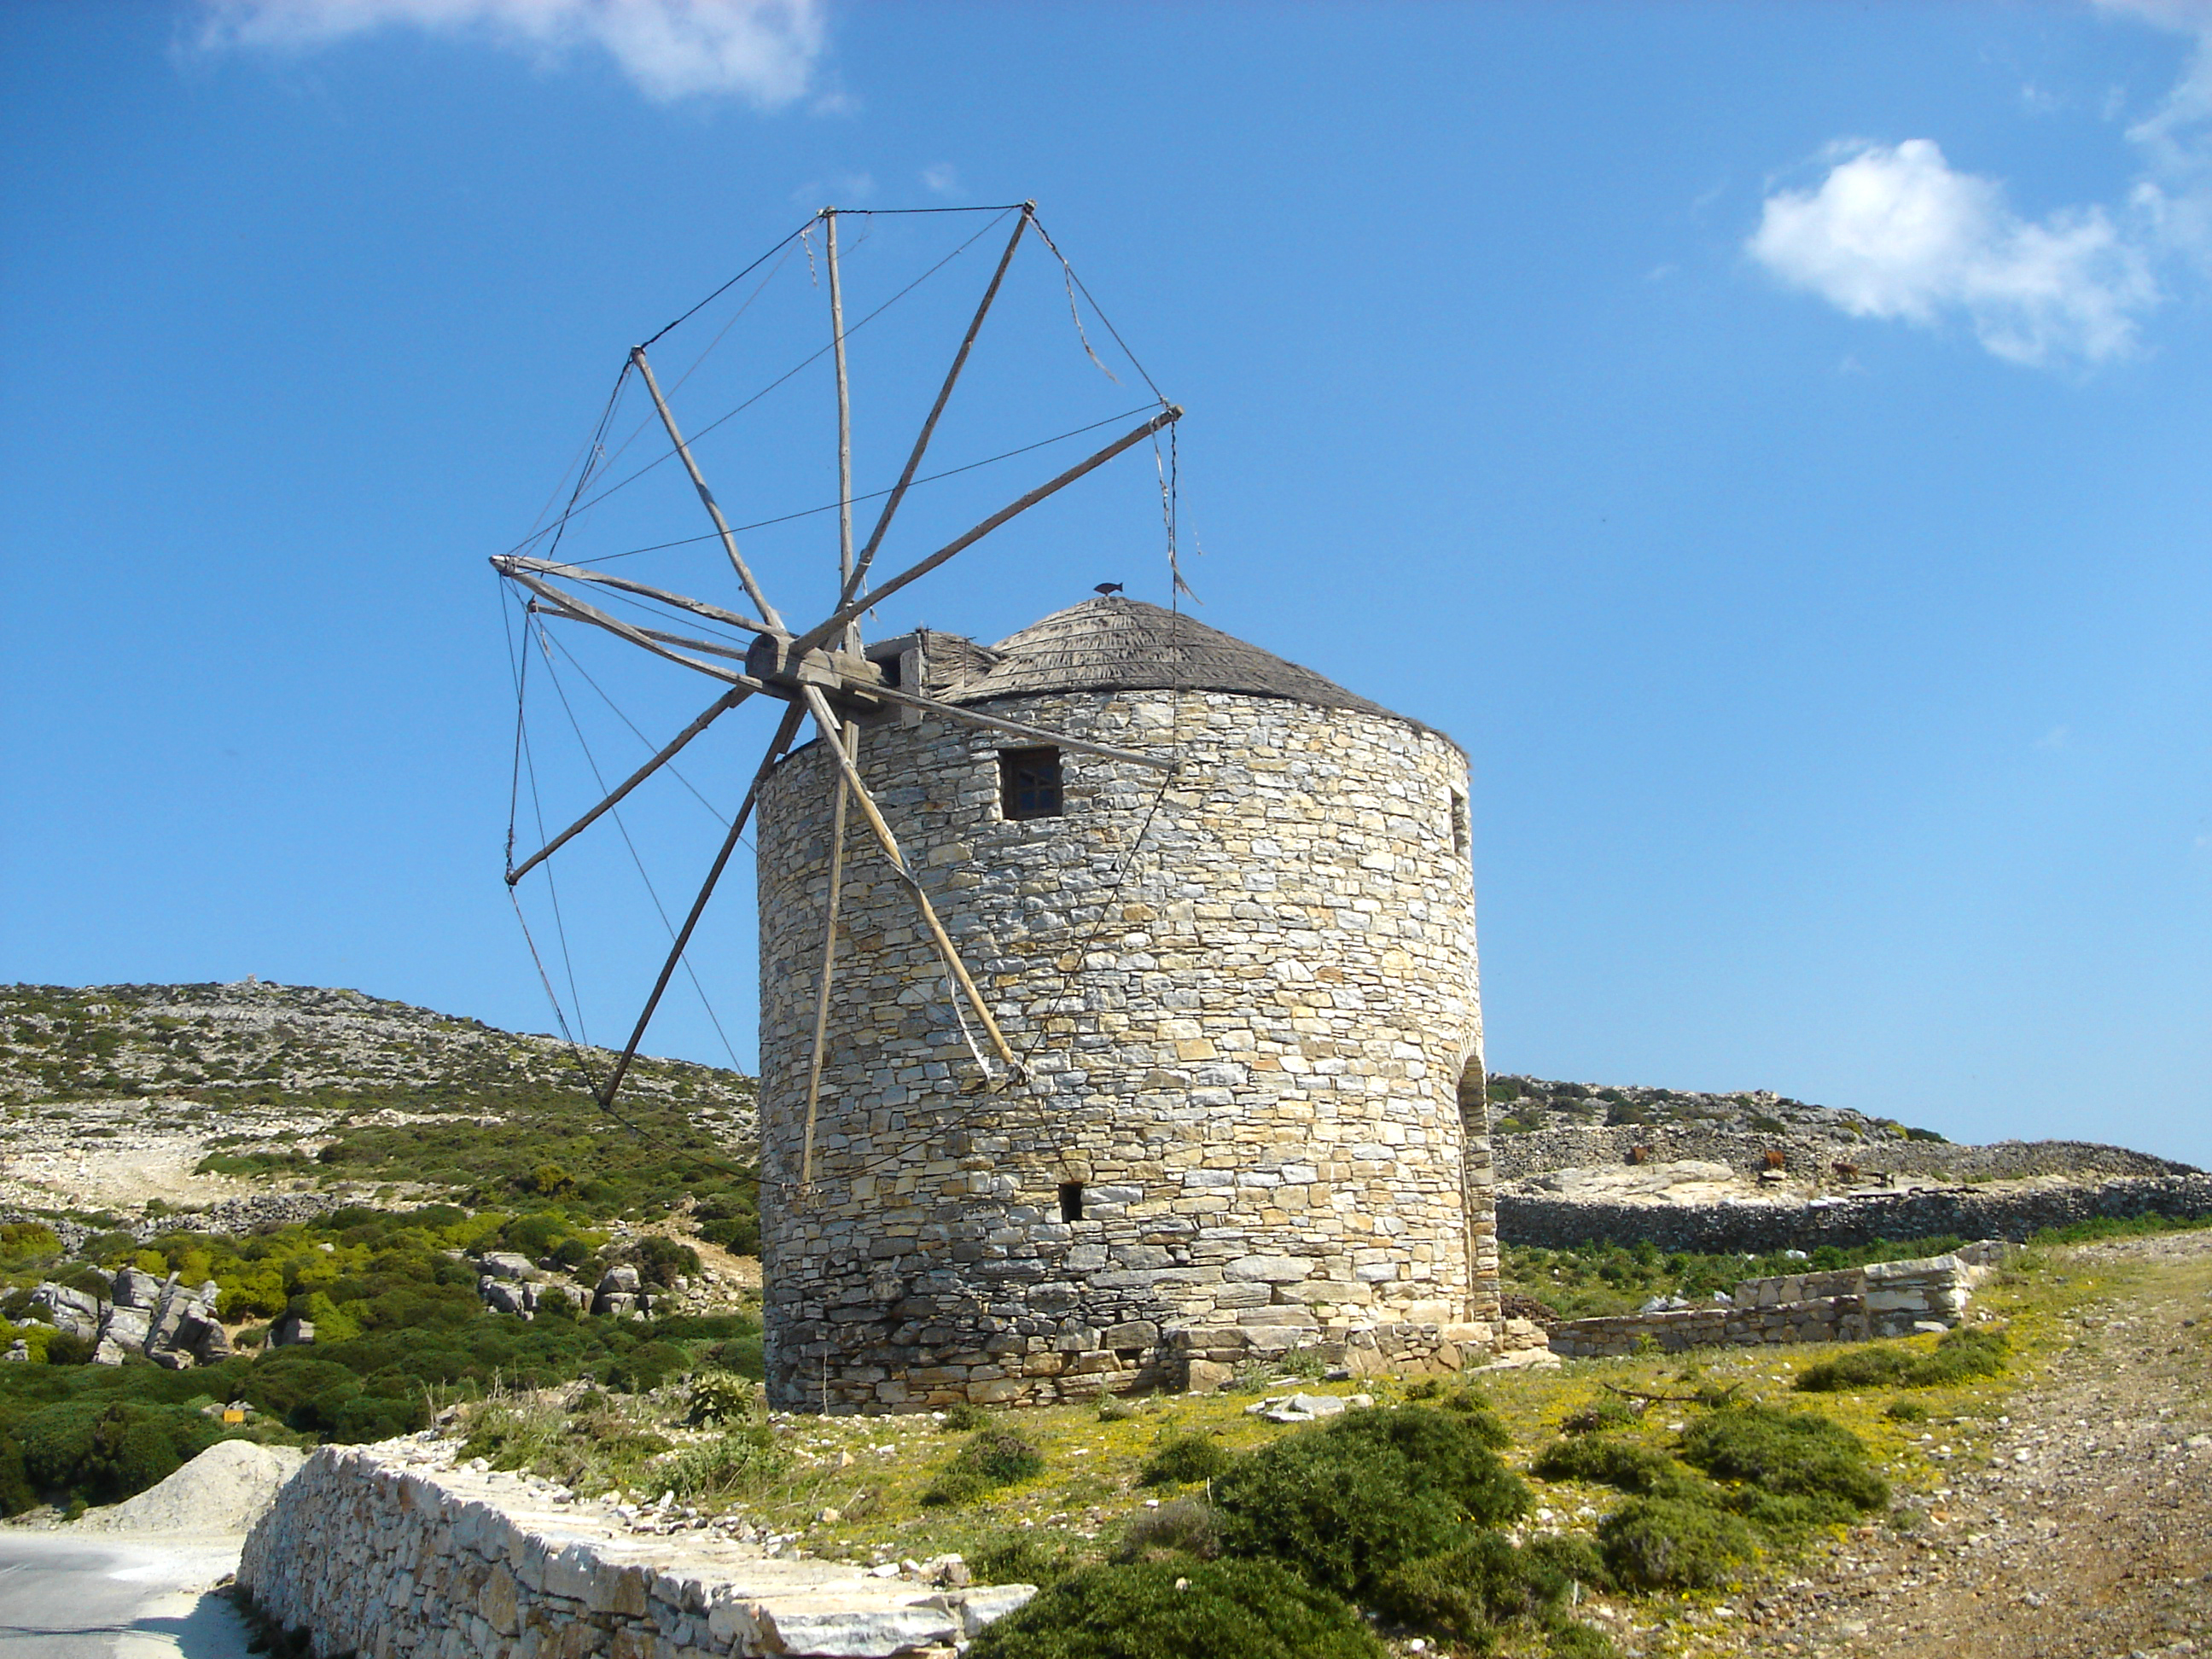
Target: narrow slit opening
pixel 1070 1200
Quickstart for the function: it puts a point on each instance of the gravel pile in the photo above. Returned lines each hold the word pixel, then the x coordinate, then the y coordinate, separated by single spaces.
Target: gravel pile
pixel 226 1489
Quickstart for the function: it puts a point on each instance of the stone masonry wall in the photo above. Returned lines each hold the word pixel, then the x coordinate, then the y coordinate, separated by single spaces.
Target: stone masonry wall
pixel 1244 1043
pixel 1848 1305
pixel 1561 1224
pixel 390 1553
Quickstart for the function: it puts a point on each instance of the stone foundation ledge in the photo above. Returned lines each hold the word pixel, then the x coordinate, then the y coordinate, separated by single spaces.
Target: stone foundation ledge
pixel 391 1551
pixel 1199 1359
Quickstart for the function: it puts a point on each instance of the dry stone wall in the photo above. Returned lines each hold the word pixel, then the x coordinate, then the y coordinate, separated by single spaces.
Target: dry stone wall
pixel 1245 1004
pixel 390 1553
pixel 1755 1227
pixel 1849 1304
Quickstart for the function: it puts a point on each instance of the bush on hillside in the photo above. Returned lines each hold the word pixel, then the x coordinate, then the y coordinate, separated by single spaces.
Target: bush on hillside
pixel 1166 1610
pixel 1959 1355
pixel 1181 1526
pixel 1672 1543
pixel 991 1459
pixel 1813 1462
pixel 1346 1504
pixel 1185 1458
pixel 104 1452
pixel 1465 1594
pixel 1644 1471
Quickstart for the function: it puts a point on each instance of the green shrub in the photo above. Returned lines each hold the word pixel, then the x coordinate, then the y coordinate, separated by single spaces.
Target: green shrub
pixel 1023 1557
pixel 1672 1543
pixel 1798 1455
pixel 1907 1411
pixel 1183 1459
pixel 991 1459
pixel 1182 1526
pixel 1464 1595
pixel 661 1262
pixel 1161 1610
pixel 721 1397
pixel 1959 1355
pixel 1375 1490
pixel 965 1417
pixel 735 1465
pixel 105 1452
pixel 1643 1471
pixel 16 1493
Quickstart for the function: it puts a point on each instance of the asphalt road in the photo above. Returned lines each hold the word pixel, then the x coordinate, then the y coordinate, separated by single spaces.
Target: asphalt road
pixel 66 1595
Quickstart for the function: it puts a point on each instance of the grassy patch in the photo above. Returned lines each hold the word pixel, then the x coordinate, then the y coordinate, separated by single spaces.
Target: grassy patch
pixel 1971 1351
pixel 991 1458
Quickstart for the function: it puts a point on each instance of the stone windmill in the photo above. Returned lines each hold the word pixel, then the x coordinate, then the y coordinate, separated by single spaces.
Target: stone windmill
pixel 1119 1007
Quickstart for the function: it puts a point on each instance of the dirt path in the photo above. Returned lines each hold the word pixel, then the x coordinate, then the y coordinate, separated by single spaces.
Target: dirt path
pixel 2080 1529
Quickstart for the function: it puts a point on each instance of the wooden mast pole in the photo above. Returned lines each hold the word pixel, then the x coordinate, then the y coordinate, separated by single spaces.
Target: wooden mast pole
pixel 826 719
pixel 851 741
pixel 844 426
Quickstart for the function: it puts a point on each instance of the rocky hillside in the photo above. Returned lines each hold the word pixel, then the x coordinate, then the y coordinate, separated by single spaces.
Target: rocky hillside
pixel 253 1042
pixel 117 1097
pixel 1523 1105
pixel 1704 1147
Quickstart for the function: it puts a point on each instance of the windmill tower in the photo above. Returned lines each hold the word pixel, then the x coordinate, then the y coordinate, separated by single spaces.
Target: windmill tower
pixel 1118 1005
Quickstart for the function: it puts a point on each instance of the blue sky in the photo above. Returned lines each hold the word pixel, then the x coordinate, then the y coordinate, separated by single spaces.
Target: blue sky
pixel 1771 439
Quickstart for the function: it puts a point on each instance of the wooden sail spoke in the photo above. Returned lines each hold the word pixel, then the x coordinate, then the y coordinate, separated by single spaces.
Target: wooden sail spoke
pixel 577 610
pixel 827 720
pixel 784 733
pixel 713 711
pixel 857 570
pixel 847 612
pixel 705 495
pixel 547 608
pixel 512 562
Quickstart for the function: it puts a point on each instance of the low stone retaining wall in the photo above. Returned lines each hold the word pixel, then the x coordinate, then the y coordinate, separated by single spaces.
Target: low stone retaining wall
pixel 388 1551
pixel 1850 1305
pixel 1560 1224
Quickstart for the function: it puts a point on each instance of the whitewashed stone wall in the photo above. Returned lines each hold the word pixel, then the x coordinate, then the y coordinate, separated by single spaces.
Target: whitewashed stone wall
pixel 1246 1044
pixel 389 1552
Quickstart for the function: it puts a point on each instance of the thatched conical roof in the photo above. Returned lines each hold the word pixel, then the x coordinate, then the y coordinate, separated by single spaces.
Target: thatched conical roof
pixel 1114 644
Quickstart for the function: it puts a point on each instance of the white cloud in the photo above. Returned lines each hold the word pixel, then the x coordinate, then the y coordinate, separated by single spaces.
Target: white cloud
pixel 940 179
pixel 1894 232
pixel 2174 196
pixel 763 51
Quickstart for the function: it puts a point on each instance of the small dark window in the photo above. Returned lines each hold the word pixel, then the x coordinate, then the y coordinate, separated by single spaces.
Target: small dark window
pixel 1028 783
pixel 1070 1200
pixel 1462 831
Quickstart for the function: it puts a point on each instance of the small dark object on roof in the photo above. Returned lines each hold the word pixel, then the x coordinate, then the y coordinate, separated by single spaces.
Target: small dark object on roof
pixel 1106 587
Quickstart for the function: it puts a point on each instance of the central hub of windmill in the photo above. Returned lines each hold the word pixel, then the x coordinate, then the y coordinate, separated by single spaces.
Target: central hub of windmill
pixel 845 675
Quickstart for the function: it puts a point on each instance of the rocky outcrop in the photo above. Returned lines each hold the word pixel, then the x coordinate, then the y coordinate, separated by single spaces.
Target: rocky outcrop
pixel 389 1550
pixel 170 1323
